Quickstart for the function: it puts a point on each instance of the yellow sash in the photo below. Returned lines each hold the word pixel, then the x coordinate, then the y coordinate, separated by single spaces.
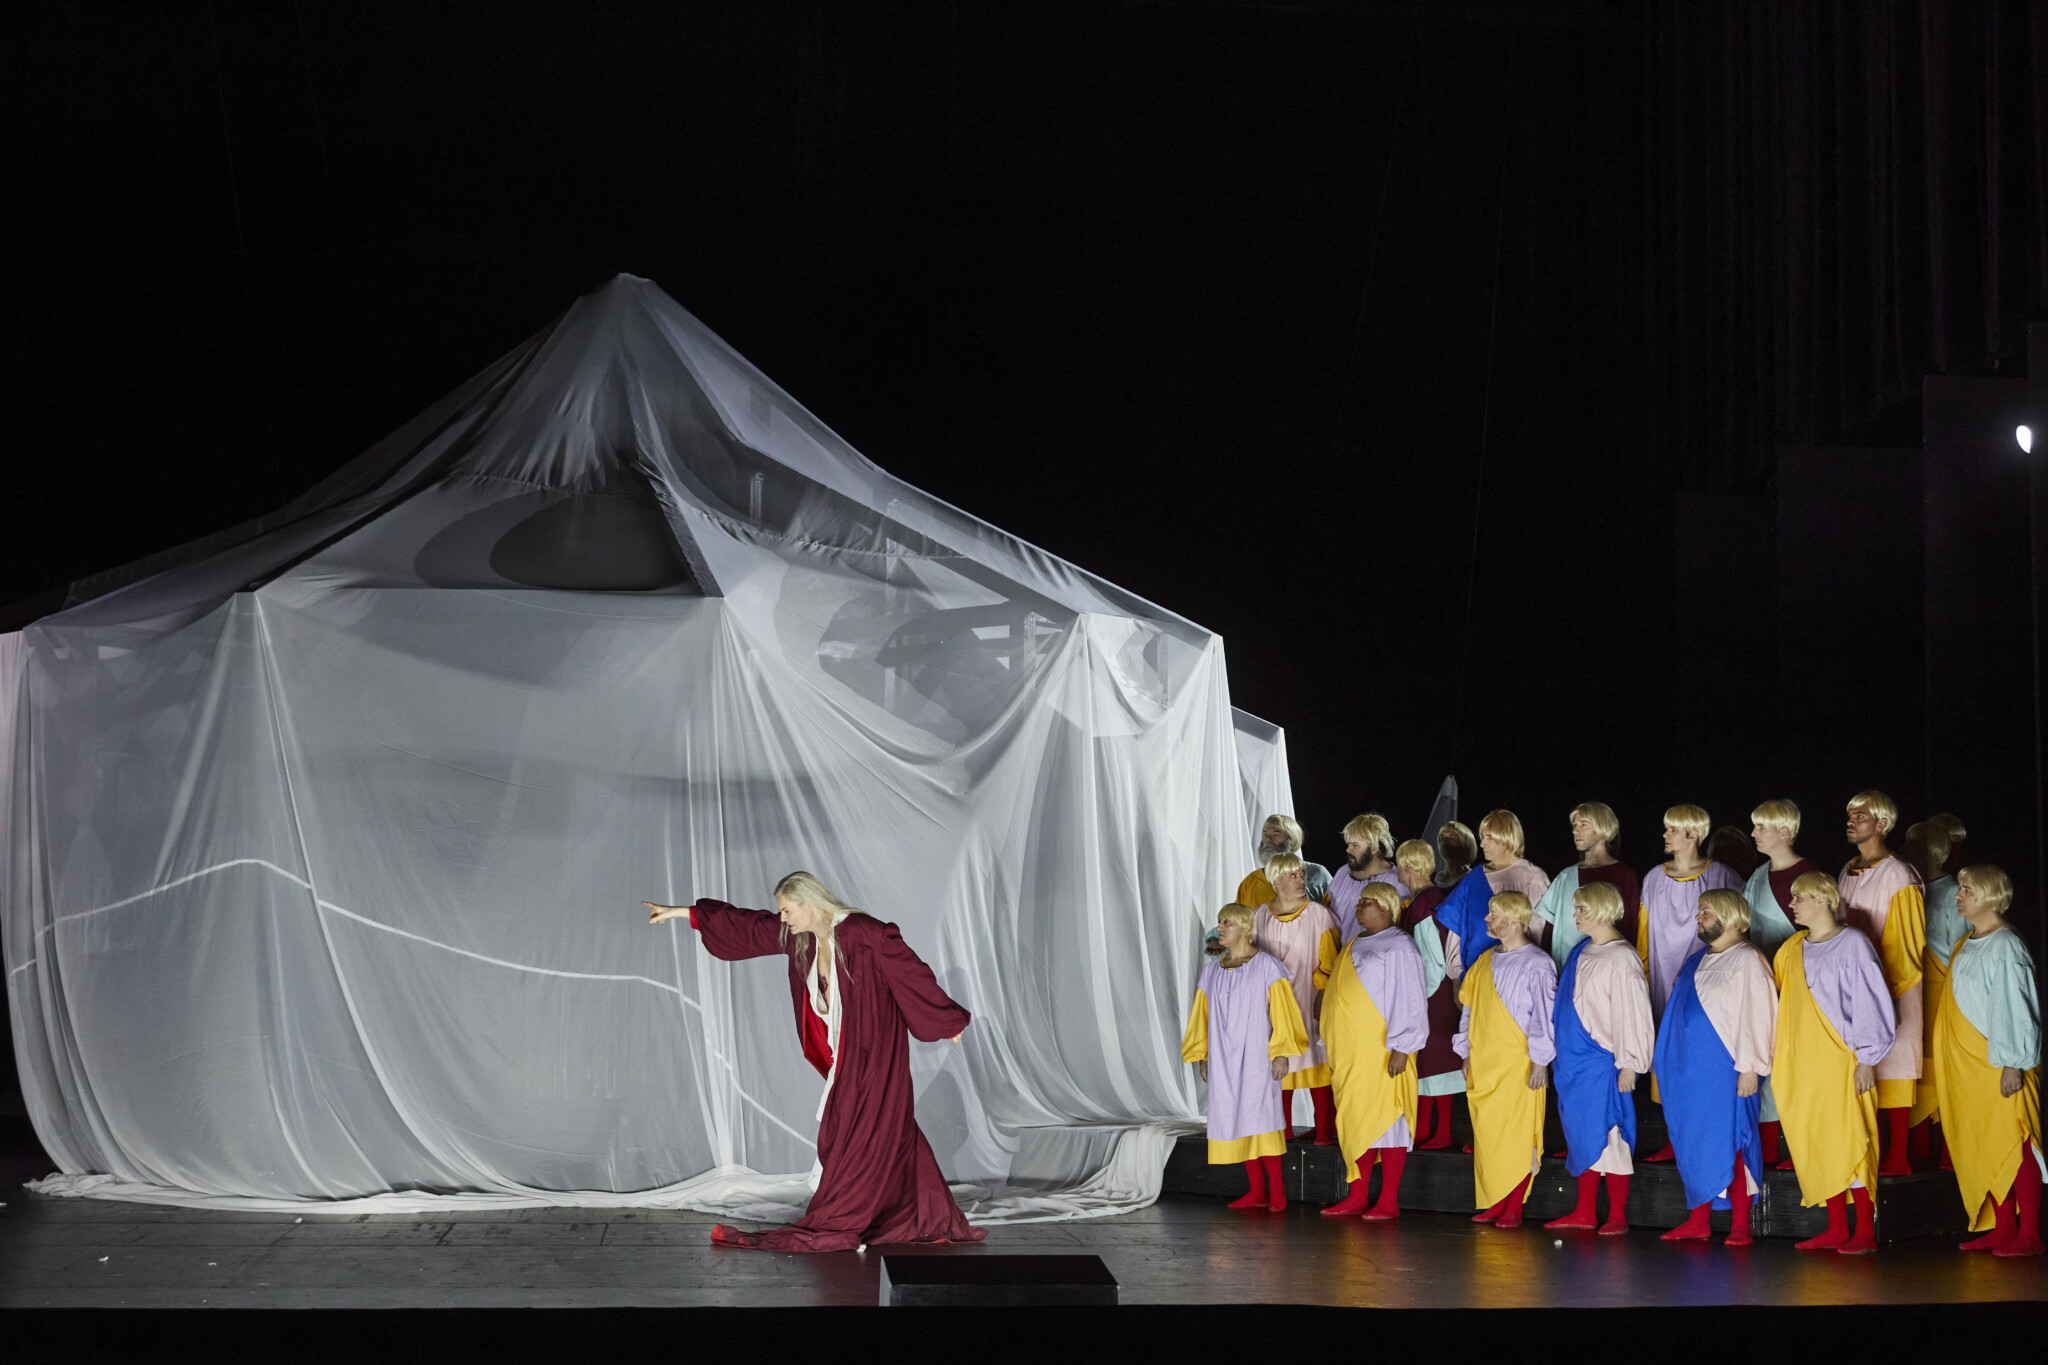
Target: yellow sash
pixel 1933 1000
pixel 1369 1101
pixel 1507 1116
pixel 1987 1134
pixel 1832 1129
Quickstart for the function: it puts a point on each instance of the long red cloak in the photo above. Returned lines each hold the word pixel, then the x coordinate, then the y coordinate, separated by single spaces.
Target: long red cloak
pixel 879 1182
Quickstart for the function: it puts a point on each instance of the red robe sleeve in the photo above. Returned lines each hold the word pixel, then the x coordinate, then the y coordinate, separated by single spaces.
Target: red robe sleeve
pixel 733 934
pixel 928 1012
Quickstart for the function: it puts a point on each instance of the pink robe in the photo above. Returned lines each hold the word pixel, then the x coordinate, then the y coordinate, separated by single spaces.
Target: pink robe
pixel 1868 898
pixel 1298 943
pixel 1612 999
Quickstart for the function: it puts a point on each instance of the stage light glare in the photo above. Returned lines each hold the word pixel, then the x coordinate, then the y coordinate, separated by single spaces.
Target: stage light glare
pixel 2025 436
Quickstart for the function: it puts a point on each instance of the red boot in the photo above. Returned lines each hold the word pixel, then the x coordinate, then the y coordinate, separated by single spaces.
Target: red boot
pixel 1920 1141
pixel 1325 1105
pixel 1357 1199
pixel 1894 1161
pixel 1276 1189
pixel 1617 1207
pixel 1663 1153
pixel 1738 1202
pixel 1255 1172
pixel 1865 1240
pixel 1770 1137
pixel 2026 1198
pixel 1392 1161
pixel 1838 1227
pixel 1585 1217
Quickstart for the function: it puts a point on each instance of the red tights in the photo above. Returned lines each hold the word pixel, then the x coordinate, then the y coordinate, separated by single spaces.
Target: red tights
pixel 1695 1228
pixel 1433 1116
pixel 1837 1237
pixel 1267 1188
pixel 1586 1216
pixel 1895 1160
pixel 1357 1202
pixel 2018 1231
pixel 1508 1212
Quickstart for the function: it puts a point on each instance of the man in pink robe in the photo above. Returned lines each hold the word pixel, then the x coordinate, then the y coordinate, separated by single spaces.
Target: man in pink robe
pixel 1882 897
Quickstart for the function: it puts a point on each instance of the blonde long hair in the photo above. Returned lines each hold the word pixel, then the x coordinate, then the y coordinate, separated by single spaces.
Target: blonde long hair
pixel 807 890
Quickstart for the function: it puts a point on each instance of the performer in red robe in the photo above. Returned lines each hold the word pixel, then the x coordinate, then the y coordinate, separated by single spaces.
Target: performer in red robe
pixel 857 989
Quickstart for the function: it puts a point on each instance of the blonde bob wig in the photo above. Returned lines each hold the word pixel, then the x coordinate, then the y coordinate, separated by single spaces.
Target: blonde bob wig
pixel 1818 884
pixel 1777 815
pixel 1279 865
pixel 1690 819
pixel 1382 895
pixel 1601 902
pixel 1990 883
pixel 1372 830
pixel 1514 905
pixel 1417 858
pixel 1728 907
pixel 1881 807
pixel 1503 825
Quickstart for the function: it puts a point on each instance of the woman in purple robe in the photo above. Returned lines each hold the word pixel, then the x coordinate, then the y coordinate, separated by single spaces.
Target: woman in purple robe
pixel 857 989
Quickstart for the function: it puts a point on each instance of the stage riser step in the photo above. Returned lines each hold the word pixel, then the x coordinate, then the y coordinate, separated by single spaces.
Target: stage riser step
pixel 1441 1182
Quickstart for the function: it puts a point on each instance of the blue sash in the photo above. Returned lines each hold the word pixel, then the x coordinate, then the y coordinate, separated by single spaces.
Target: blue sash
pixel 1588 1104
pixel 1463 912
pixel 1709 1124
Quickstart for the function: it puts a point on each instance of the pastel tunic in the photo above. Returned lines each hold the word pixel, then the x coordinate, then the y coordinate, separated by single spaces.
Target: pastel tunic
pixel 1375 1005
pixel 1886 902
pixel 1720 1022
pixel 1243 1017
pixel 1306 944
pixel 1504 1029
pixel 1343 902
pixel 1993 1021
pixel 1668 932
pixel 1555 909
pixel 1439 1070
pixel 1523 876
pixel 1834 1012
pixel 877 1180
pixel 1603 1026
pixel 1945 925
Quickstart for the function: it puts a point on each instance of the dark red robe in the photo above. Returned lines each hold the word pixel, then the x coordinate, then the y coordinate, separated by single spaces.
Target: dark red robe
pixel 1436 1057
pixel 879 1182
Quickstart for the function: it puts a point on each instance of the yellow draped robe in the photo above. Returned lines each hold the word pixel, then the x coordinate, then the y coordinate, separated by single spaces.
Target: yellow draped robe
pixel 1831 1128
pixel 1289 1038
pixel 1933 1000
pixel 1987 1133
pixel 1369 1101
pixel 1507 1116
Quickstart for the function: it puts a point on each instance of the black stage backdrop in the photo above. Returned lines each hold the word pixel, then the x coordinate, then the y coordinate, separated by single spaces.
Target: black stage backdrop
pixel 1381 338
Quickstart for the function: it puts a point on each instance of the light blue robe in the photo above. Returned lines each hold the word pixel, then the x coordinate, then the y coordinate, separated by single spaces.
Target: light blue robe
pixel 1992 982
pixel 1769 927
pixel 1555 909
pixel 1945 923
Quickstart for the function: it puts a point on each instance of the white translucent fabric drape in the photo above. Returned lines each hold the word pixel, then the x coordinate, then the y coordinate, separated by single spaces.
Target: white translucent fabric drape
pixel 328 888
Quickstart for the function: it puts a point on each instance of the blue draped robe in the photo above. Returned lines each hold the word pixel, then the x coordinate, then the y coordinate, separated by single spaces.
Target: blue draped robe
pixel 1710 1124
pixel 1588 1104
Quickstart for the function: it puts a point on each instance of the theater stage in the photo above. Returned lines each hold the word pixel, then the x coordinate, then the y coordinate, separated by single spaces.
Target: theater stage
pixel 76 1253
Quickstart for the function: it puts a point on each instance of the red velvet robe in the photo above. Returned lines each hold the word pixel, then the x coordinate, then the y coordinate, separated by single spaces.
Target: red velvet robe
pixel 879 1182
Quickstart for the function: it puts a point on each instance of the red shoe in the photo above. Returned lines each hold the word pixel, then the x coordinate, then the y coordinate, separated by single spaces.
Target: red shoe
pixel 1693 1229
pixel 2021 1246
pixel 1784 1165
pixel 1990 1241
pixel 1352 1204
pixel 1663 1153
pixel 1468 1149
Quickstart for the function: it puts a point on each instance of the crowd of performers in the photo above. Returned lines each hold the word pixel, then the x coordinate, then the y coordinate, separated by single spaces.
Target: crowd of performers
pixel 1835 1026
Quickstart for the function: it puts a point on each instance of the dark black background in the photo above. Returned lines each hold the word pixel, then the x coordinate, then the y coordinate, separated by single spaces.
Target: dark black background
pixel 1379 338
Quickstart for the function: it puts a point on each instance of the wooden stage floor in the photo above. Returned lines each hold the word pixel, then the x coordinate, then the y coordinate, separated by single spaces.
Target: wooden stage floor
pixel 75 1253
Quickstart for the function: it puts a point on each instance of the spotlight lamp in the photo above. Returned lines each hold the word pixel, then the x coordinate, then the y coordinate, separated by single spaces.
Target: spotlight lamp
pixel 2025 436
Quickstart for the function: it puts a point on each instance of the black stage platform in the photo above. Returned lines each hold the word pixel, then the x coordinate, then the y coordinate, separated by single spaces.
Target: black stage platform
pixel 1185 1250
pixel 1925 1203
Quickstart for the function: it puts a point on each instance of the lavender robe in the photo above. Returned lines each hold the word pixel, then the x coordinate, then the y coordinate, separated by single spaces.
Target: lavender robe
pixel 1344 889
pixel 1526 981
pixel 1389 966
pixel 1847 983
pixel 1669 932
pixel 1244 1099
